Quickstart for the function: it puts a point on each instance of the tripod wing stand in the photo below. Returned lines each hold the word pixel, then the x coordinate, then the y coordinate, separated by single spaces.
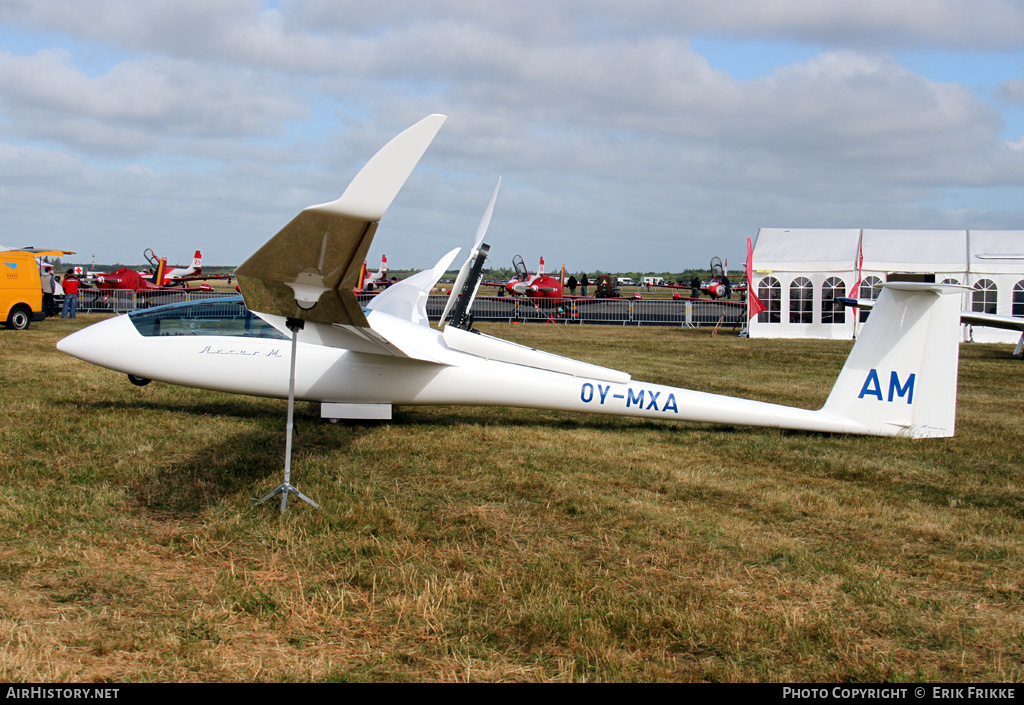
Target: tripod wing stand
pixel 294 325
pixel 315 260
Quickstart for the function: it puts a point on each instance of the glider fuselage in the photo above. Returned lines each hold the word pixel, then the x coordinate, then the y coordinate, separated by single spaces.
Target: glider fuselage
pixel 257 364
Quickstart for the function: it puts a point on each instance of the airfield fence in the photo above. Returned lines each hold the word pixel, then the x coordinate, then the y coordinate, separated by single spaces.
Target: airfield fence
pixel 121 301
pixel 686 312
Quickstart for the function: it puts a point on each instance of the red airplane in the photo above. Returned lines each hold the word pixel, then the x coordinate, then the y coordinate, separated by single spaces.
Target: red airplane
pixel 533 286
pixel 542 288
pixel 717 288
pixel 159 278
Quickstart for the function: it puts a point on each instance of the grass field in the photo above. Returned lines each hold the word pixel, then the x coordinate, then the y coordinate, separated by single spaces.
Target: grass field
pixel 489 544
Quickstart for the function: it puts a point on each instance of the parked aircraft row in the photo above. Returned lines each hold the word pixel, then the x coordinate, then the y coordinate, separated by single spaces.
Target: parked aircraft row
pixel 539 286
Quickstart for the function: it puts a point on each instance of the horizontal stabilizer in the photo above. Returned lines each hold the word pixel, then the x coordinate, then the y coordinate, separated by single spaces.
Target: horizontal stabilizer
pixel 974 318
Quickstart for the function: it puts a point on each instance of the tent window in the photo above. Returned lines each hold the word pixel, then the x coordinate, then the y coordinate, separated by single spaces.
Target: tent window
pixel 985 296
pixel 870 288
pixel 951 281
pixel 770 292
pixel 1018 300
pixel 801 301
pixel 831 310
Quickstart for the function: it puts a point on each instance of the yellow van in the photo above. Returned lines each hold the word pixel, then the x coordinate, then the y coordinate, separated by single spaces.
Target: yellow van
pixel 21 292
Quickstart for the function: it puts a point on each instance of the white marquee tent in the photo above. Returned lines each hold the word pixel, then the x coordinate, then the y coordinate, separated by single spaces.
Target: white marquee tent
pixel 798 272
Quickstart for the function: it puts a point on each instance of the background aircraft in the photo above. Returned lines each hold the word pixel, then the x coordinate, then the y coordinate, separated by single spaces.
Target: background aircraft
pixel 543 288
pixel 369 281
pixel 158 278
pixel 718 287
pixel 176 273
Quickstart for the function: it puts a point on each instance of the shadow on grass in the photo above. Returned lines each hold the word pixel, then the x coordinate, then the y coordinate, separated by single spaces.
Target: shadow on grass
pixel 236 464
pixel 190 481
pixel 541 418
pixel 244 408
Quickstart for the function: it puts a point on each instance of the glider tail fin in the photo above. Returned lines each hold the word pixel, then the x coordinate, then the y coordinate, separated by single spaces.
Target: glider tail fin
pixel 900 378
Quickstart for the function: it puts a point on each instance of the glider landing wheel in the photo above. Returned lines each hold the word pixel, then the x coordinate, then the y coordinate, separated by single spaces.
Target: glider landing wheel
pixel 138 381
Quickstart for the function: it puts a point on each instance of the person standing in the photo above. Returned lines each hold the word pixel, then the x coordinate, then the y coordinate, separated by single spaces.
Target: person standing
pixel 46 280
pixel 70 295
pixel 572 285
pixel 584 283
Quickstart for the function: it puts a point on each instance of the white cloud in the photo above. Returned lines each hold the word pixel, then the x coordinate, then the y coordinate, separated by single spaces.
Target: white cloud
pixel 618 142
pixel 137 105
pixel 969 24
pixel 1011 91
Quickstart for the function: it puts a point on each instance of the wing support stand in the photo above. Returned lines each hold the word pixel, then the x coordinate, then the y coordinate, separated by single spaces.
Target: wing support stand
pixel 294 325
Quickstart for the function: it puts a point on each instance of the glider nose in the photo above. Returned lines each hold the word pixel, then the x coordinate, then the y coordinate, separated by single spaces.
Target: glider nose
pixel 98 343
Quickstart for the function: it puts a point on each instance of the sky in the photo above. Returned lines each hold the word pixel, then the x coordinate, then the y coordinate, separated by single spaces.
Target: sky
pixel 644 136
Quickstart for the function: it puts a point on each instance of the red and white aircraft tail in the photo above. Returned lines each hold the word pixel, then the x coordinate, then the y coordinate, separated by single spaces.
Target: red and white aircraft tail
pixel 190 271
pixel 372 279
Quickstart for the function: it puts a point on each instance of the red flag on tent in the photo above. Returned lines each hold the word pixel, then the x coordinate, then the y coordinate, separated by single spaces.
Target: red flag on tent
pixel 754 304
pixel 855 293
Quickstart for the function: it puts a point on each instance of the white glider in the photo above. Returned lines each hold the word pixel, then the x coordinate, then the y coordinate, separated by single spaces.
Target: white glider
pixel 900 377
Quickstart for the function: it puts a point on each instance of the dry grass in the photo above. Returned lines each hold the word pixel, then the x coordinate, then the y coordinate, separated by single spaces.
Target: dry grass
pixel 463 543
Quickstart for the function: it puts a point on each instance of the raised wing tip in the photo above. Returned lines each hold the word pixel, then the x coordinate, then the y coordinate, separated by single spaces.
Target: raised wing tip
pixel 322 249
pixel 376 185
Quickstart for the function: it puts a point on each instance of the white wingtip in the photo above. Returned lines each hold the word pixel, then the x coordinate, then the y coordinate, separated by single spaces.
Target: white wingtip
pixel 376 185
pixel 407 299
pixel 481 231
pixel 485 221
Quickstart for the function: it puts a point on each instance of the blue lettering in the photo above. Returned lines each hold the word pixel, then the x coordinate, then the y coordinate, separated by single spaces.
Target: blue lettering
pixel 603 391
pixel 654 401
pixel 587 393
pixel 871 386
pixel 634 399
pixel 901 391
pixel 670 403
